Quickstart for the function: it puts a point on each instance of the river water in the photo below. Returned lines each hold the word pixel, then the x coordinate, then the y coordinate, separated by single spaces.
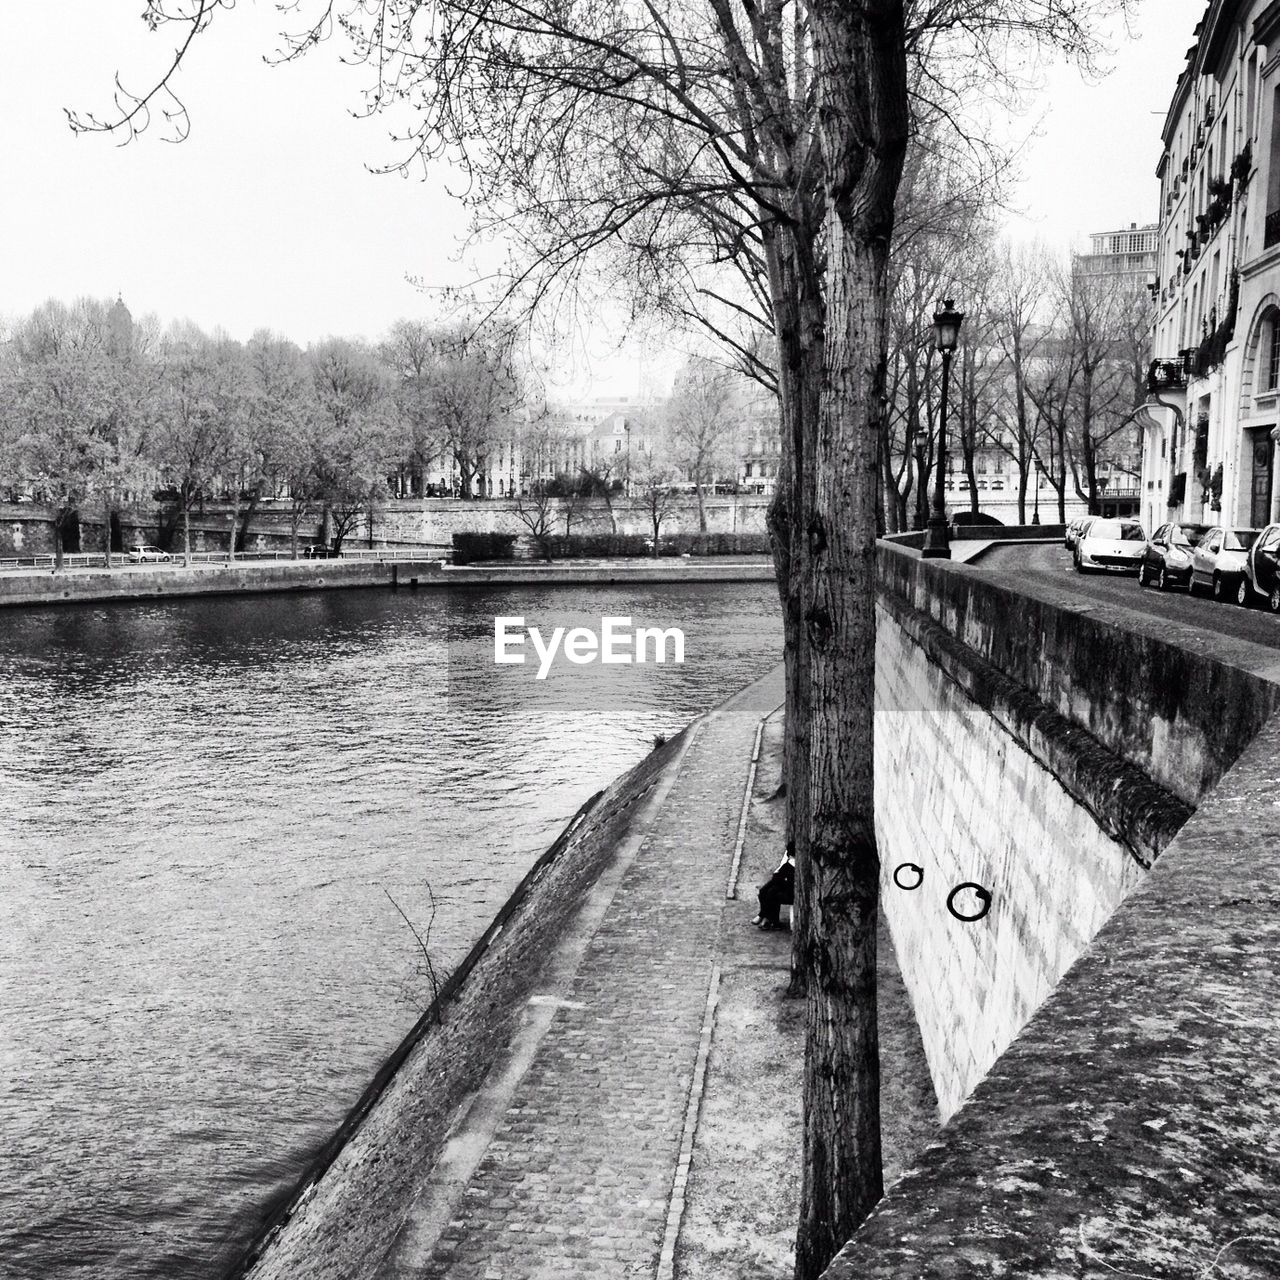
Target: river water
pixel 206 809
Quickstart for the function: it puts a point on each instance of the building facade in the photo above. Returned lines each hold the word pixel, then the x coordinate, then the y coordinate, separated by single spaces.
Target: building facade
pixel 1130 255
pixel 1210 444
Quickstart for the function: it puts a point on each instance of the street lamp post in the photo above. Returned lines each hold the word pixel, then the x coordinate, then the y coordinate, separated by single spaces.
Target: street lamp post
pixel 1035 518
pixel 946 329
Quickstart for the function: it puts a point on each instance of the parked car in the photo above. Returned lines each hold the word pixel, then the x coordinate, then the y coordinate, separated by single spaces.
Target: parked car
pixel 1218 561
pixel 1113 544
pixel 974 518
pixel 317 551
pixel 1166 560
pixel 1261 575
pixel 142 554
pixel 1073 531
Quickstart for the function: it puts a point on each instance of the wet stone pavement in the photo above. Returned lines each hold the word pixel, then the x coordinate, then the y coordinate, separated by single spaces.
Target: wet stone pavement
pixel 584 1172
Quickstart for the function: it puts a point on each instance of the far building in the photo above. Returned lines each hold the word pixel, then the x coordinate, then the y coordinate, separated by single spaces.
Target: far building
pixel 1130 255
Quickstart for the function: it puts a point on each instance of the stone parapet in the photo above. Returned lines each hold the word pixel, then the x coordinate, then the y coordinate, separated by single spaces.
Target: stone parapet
pixel 1180 707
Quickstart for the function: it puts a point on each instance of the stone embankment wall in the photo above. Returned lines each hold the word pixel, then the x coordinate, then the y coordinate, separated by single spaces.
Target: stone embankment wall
pixel 1044 754
pixel 27 529
pixel 151 582
pixel 148 582
pixel 325 1228
pixel 1131 1122
pixel 1133 1126
pixel 958 797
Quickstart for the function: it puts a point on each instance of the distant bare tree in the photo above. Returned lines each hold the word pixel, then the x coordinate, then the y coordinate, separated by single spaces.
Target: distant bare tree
pixel 701 423
pixel 536 510
pixel 473 390
pixel 204 408
pixel 353 441
pixel 409 351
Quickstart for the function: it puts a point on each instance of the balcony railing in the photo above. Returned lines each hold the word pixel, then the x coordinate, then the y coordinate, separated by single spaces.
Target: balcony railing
pixel 1167 375
pixel 1271 230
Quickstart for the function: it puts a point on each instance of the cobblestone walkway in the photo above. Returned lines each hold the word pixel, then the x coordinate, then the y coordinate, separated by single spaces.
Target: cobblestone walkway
pixel 577 1177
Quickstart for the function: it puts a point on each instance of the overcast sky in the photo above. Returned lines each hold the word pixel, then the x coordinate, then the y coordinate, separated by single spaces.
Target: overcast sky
pixel 267 216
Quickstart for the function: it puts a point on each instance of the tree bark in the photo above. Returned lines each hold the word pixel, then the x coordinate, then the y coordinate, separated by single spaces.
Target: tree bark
pixel 794 287
pixel 235 521
pixel 59 552
pixel 242 537
pixel 842 1174
pixel 863 113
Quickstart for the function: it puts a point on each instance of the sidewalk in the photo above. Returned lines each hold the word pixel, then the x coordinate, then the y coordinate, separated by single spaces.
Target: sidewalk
pixel 575 1159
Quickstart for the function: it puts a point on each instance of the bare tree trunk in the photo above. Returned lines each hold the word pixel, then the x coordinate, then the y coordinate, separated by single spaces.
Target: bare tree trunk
pixel 702 510
pixel 186 535
pixel 863 112
pixel 796 308
pixel 106 531
pixel 235 521
pixel 241 538
pixel 59 552
pixel 842 1173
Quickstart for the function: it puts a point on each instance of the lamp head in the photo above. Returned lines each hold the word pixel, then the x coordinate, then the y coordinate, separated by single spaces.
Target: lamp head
pixel 946 325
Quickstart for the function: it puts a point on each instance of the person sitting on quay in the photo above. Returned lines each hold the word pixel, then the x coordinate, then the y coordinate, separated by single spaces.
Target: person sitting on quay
pixel 777 891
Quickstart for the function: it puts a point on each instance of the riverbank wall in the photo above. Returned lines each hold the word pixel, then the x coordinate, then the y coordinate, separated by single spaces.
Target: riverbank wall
pixel 152 582
pixel 27 528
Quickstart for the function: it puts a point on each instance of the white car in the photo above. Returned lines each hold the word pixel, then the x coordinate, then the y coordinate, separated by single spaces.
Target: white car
pixel 148 555
pixel 1218 562
pixel 1116 544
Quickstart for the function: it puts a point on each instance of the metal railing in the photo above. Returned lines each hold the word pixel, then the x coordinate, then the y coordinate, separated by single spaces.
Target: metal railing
pixel 426 551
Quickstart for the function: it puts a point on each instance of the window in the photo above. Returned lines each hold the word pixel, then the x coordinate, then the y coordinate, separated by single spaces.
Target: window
pixel 1272 380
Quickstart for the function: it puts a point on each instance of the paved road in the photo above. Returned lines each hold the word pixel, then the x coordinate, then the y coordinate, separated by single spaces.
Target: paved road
pixel 1051 563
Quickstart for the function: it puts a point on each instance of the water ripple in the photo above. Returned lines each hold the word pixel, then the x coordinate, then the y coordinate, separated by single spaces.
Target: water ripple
pixel 200 805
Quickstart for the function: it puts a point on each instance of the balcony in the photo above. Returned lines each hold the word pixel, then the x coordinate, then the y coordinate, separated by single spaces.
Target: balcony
pixel 1271 230
pixel 1167 375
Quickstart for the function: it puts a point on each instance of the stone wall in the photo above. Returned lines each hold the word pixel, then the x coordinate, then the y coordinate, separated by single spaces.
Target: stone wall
pixel 1045 752
pixel 27 529
pixel 1175 706
pixel 959 797
pixel 1133 1128
pixel 1094 1037
pixel 146 582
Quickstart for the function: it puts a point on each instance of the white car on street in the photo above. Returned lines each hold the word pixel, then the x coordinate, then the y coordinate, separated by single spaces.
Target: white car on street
pixel 1218 562
pixel 148 555
pixel 1116 544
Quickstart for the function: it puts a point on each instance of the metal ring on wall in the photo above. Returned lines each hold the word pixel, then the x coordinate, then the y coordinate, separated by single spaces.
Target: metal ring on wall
pixel 908 866
pixel 979 892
